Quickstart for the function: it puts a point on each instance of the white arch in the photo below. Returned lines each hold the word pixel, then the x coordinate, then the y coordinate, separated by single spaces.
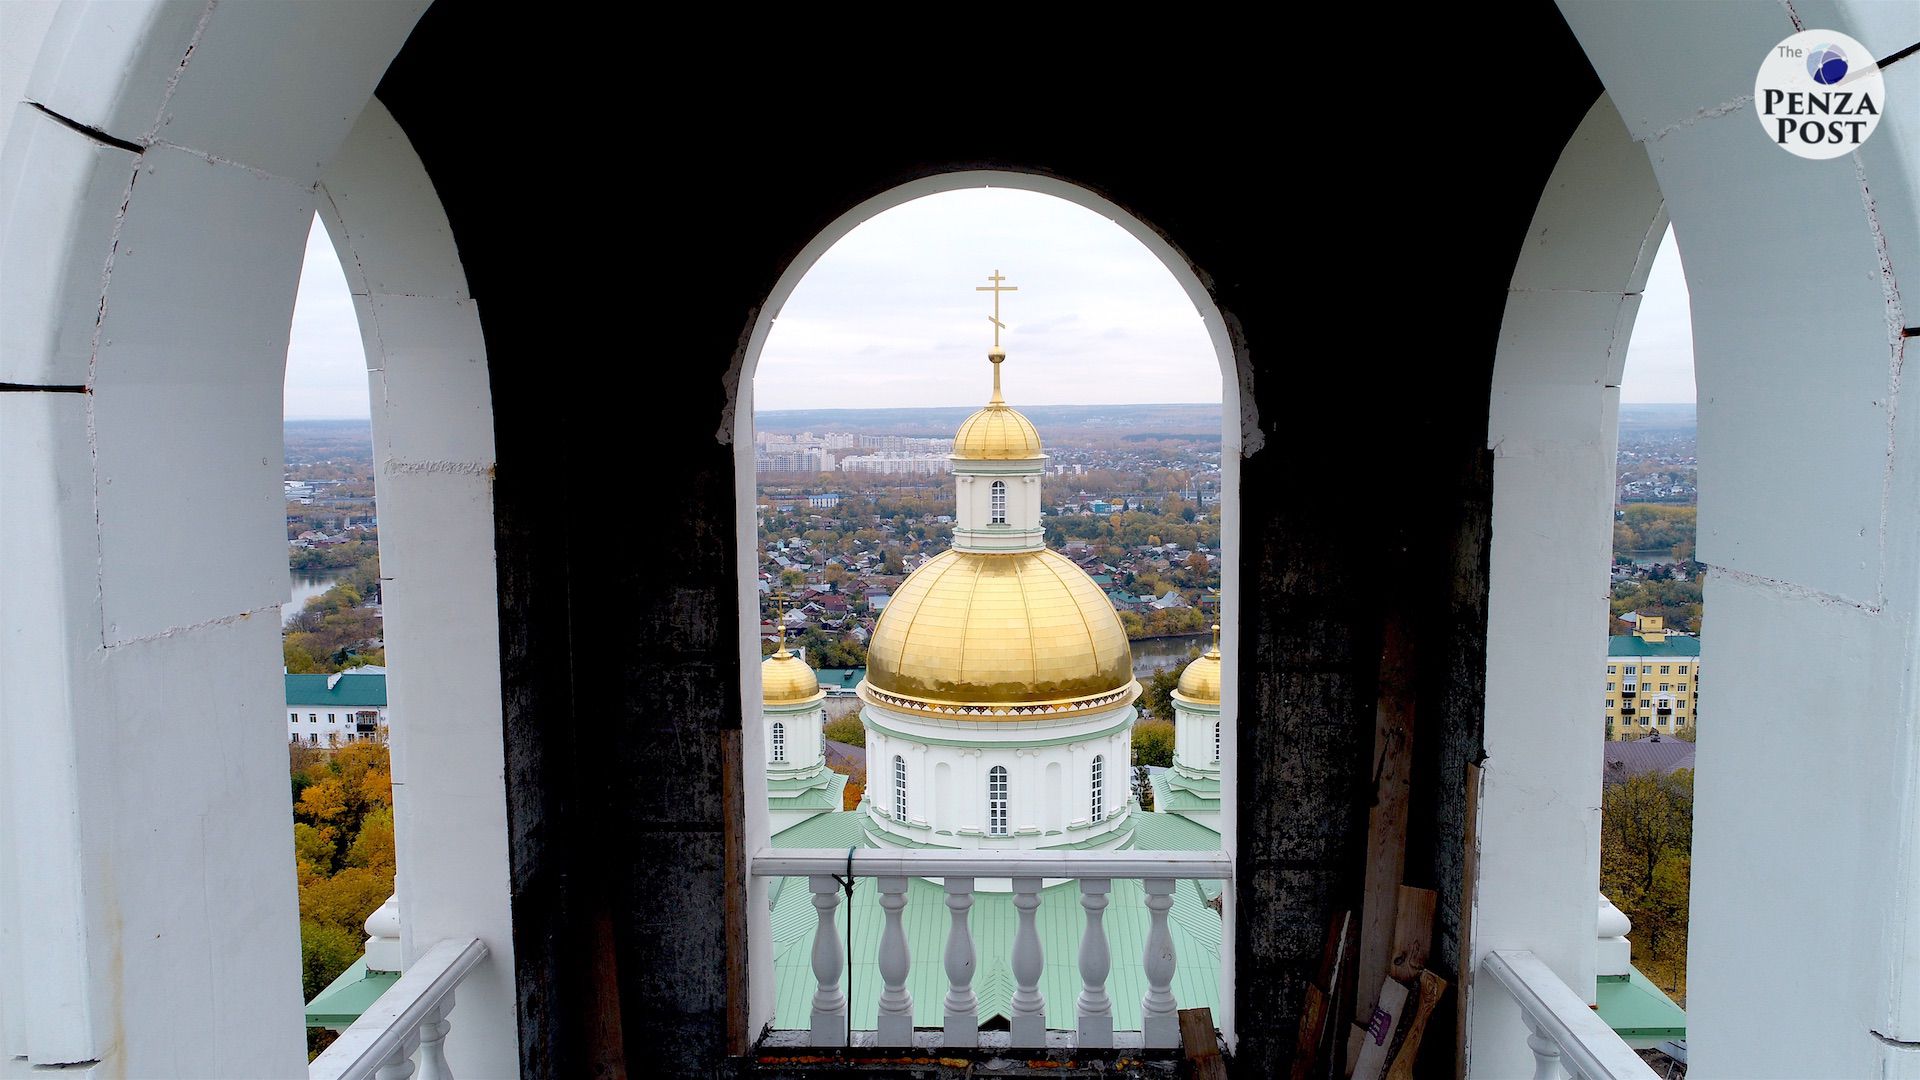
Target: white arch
pixel 1241 435
pixel 433 459
pixel 159 182
pixel 1809 522
pixel 1552 428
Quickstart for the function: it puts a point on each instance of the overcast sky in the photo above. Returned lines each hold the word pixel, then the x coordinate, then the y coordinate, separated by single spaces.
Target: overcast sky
pixel 326 365
pixel 1660 354
pixel 889 318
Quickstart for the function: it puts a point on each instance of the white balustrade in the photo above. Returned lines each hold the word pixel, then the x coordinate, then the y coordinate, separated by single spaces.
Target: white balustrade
pixel 962 1008
pixel 1029 1019
pixel 1158 872
pixel 1094 1010
pixel 829 1001
pixel 1563 1033
pixel 894 1027
pixel 410 1018
pixel 1159 1014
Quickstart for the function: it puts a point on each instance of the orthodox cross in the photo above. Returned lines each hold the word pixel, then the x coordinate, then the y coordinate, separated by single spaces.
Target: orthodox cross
pixel 996 289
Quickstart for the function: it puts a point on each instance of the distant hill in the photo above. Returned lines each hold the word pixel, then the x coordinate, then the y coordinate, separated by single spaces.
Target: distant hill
pixel 1641 419
pixel 1164 421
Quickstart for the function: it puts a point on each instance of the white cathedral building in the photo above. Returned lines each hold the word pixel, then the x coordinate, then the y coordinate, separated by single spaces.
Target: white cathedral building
pixel 999 706
pixel 999 701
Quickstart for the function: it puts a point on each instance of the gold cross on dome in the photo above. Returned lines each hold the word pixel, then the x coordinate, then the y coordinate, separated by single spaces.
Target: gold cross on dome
pixel 996 289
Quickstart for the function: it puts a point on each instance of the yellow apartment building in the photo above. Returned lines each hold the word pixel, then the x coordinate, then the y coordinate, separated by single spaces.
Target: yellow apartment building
pixel 1653 680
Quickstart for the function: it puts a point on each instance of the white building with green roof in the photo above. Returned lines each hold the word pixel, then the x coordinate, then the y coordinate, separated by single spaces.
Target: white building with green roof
pixel 332 710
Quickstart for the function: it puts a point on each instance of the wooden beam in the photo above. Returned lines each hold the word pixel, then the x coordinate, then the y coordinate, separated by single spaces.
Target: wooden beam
pixel 1412 932
pixel 1470 875
pixel 1387 820
pixel 734 847
pixel 1431 987
pixel 1320 997
pixel 1201 1043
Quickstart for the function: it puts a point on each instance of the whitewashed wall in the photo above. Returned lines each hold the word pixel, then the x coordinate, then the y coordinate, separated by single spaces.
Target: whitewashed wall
pixel 1049 777
pixel 146 886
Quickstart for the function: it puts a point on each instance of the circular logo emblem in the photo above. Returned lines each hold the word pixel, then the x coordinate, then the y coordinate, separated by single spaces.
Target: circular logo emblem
pixel 1819 94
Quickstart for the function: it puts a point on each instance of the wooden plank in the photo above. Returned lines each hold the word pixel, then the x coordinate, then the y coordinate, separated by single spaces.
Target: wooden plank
pixel 734 848
pixel 1201 1044
pixel 1412 932
pixel 1313 1020
pixel 1387 820
pixel 1431 987
pixel 1470 875
pixel 1356 1038
pixel 1320 996
pixel 1377 1042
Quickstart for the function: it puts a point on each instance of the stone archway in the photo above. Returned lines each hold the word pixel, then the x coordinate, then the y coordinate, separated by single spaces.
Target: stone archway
pixel 162 176
pixel 433 456
pixel 1809 524
pixel 1552 429
pixel 1241 435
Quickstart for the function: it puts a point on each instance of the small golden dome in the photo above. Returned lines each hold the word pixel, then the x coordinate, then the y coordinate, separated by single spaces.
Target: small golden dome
pixel 997 432
pixel 1200 683
pixel 785 679
pixel 1021 628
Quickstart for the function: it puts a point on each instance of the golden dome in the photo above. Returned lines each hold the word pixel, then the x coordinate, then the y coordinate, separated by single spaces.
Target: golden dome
pixel 785 679
pixel 1200 683
pixel 997 432
pixel 1020 628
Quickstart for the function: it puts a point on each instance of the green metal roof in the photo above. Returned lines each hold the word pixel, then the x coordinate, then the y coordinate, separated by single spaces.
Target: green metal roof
pixel 1171 798
pixel 349 690
pixel 1637 1011
pixel 846 829
pixel 822 795
pixel 1628 645
pixel 840 678
pixel 346 997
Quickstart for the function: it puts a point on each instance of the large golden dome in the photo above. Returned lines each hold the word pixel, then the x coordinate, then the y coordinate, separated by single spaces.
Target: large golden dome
pixel 989 629
pixel 785 679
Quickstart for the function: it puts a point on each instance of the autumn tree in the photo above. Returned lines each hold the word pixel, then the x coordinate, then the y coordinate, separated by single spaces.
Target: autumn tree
pixel 1646 860
pixel 847 729
pixel 343 852
pixel 1153 742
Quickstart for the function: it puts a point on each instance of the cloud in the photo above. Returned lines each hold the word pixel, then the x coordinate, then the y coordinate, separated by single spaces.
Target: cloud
pixel 890 316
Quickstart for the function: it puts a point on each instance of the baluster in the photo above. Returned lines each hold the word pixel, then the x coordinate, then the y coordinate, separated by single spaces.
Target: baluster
pixel 895 1023
pixel 1159 1019
pixel 829 1001
pixel 433 1041
pixel 1546 1052
pixel 399 1064
pixel 1096 1012
pixel 1028 1024
pixel 962 1008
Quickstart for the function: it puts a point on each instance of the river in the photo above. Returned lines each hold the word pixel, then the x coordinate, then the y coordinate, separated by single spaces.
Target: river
pixel 304 585
pixel 1165 652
